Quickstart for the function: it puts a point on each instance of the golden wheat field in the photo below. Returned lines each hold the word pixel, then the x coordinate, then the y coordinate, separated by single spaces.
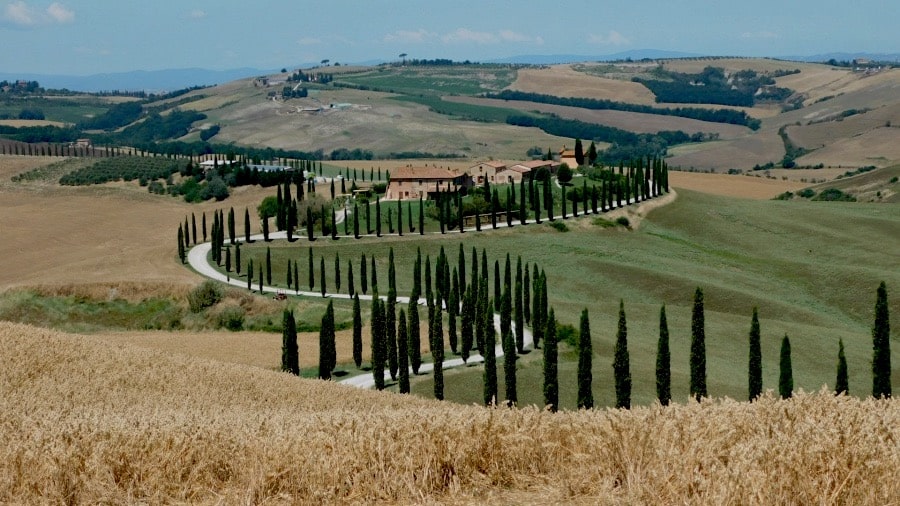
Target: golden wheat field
pixel 83 421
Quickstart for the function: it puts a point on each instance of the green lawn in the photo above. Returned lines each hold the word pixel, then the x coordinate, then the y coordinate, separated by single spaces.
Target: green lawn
pixel 811 267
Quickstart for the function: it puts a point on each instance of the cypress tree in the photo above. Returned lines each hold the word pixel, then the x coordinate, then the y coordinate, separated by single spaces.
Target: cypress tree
pixel 351 290
pixel 490 362
pixel 415 344
pixel 421 217
pixel 265 229
pixel 363 277
pixel 428 296
pixel 377 216
pixel 526 296
pixel 663 361
pixel 228 260
pixel 881 344
pixel 355 220
pixel 509 359
pixel 519 314
pixel 785 375
pixel 327 353
pixel 452 310
pixel 621 362
pixel 551 378
pixel 181 253
pixel 187 234
pixel 268 266
pixel 399 218
pixel 279 211
pixel 312 273
pixel 368 218
pixel 333 225
pixel 290 275
pixel 390 332
pixel 322 275
pixel 231 227
pixel 585 363
pixel 437 351
pixel 495 203
pixel 497 292
pixel 296 277
pixel 462 267
pixel 841 385
pixel 289 356
pixel 357 332
pixel 237 258
pixel 261 291
pixel 374 274
pixel 698 348
pixel 562 201
pixel 409 218
pixel 537 323
pixel 194 228
pixel 337 272
pixel 250 275
pixel 755 362
pixel 402 352
pixel 466 323
pixel 378 347
pixel 203 219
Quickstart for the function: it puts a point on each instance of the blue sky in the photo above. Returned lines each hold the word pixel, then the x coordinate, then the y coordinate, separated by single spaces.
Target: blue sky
pixel 93 36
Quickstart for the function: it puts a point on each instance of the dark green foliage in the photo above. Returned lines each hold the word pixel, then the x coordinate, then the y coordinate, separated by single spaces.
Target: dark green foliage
pixel 378 341
pixel 518 308
pixel 467 322
pixel 290 361
pixel 415 343
pixel 698 348
pixel 312 274
pixel 322 276
pixel 526 295
pixel 755 365
pixel 452 311
pixel 551 376
pixel 842 384
pixel 337 272
pixel 439 380
pixel 490 360
pixel 363 277
pixel 290 275
pixel 785 375
pixel 268 266
pixel 663 361
pixel 181 251
pixel 296 277
pixel 327 350
pixel 881 344
pixel 421 217
pixel 585 363
pixel 357 332
pixel 351 289
pixel 402 352
pixel 250 275
pixel 374 273
pixel 507 339
pixel 125 168
pixel 621 362
pixel 390 333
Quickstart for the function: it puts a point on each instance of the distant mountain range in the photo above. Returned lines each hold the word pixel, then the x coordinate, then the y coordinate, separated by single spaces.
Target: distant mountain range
pixel 174 79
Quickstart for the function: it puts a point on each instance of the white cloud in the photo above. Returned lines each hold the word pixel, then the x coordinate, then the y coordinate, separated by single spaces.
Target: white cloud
pixel 466 35
pixel 759 35
pixel 21 14
pixel 613 38
pixel 197 14
pixel 60 14
pixel 309 41
pixel 409 36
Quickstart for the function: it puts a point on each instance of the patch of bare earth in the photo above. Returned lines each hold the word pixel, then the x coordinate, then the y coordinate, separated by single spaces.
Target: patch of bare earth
pixel 741 186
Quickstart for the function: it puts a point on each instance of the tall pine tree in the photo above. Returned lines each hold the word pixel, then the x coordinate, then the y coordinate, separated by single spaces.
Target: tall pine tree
pixel 585 363
pixel 881 344
pixel 755 381
pixel 289 356
pixel 327 352
pixel 786 375
pixel 663 361
pixel 622 363
pixel 842 384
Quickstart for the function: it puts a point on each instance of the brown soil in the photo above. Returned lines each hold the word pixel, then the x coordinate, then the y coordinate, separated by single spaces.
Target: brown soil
pixel 740 186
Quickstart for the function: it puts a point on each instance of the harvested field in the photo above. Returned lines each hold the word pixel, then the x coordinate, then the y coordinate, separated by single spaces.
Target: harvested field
pixel 630 121
pixel 739 186
pixel 120 424
pixel 817 135
pixel 18 123
pixel 877 147
pixel 563 81
pixel 743 153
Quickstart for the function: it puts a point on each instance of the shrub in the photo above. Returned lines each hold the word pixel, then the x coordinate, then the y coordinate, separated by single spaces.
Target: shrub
pixel 807 193
pixel 603 223
pixel 893 179
pixel 207 294
pixel 232 318
pixel 566 333
pixel 835 195
pixel 559 226
pixel 623 221
pixel 785 196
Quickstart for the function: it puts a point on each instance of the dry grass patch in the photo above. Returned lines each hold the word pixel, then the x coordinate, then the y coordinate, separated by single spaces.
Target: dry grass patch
pixel 30 123
pixel 564 81
pixel 743 153
pixel 124 425
pixel 740 186
pixel 877 147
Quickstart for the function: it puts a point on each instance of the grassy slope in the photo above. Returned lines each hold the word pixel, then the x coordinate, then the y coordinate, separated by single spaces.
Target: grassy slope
pixel 785 257
pixel 866 187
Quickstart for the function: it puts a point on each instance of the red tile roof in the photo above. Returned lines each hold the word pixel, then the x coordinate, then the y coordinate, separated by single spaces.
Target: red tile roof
pixel 408 173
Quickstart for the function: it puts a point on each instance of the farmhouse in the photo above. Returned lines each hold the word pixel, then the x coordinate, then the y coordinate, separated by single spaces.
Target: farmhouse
pixel 514 174
pixel 425 182
pixel 567 156
pixel 486 171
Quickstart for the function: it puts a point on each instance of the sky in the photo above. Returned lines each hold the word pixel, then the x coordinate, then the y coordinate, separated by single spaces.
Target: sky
pixel 83 37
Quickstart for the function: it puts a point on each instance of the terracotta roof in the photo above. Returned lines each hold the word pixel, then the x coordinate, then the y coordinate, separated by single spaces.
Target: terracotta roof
pixel 520 168
pixel 568 153
pixel 422 173
pixel 534 164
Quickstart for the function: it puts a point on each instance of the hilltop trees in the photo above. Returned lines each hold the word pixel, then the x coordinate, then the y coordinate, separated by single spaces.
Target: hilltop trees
pixel 881 344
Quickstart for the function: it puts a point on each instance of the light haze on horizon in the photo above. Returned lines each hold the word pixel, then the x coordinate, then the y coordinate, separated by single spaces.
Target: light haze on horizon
pixel 82 37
